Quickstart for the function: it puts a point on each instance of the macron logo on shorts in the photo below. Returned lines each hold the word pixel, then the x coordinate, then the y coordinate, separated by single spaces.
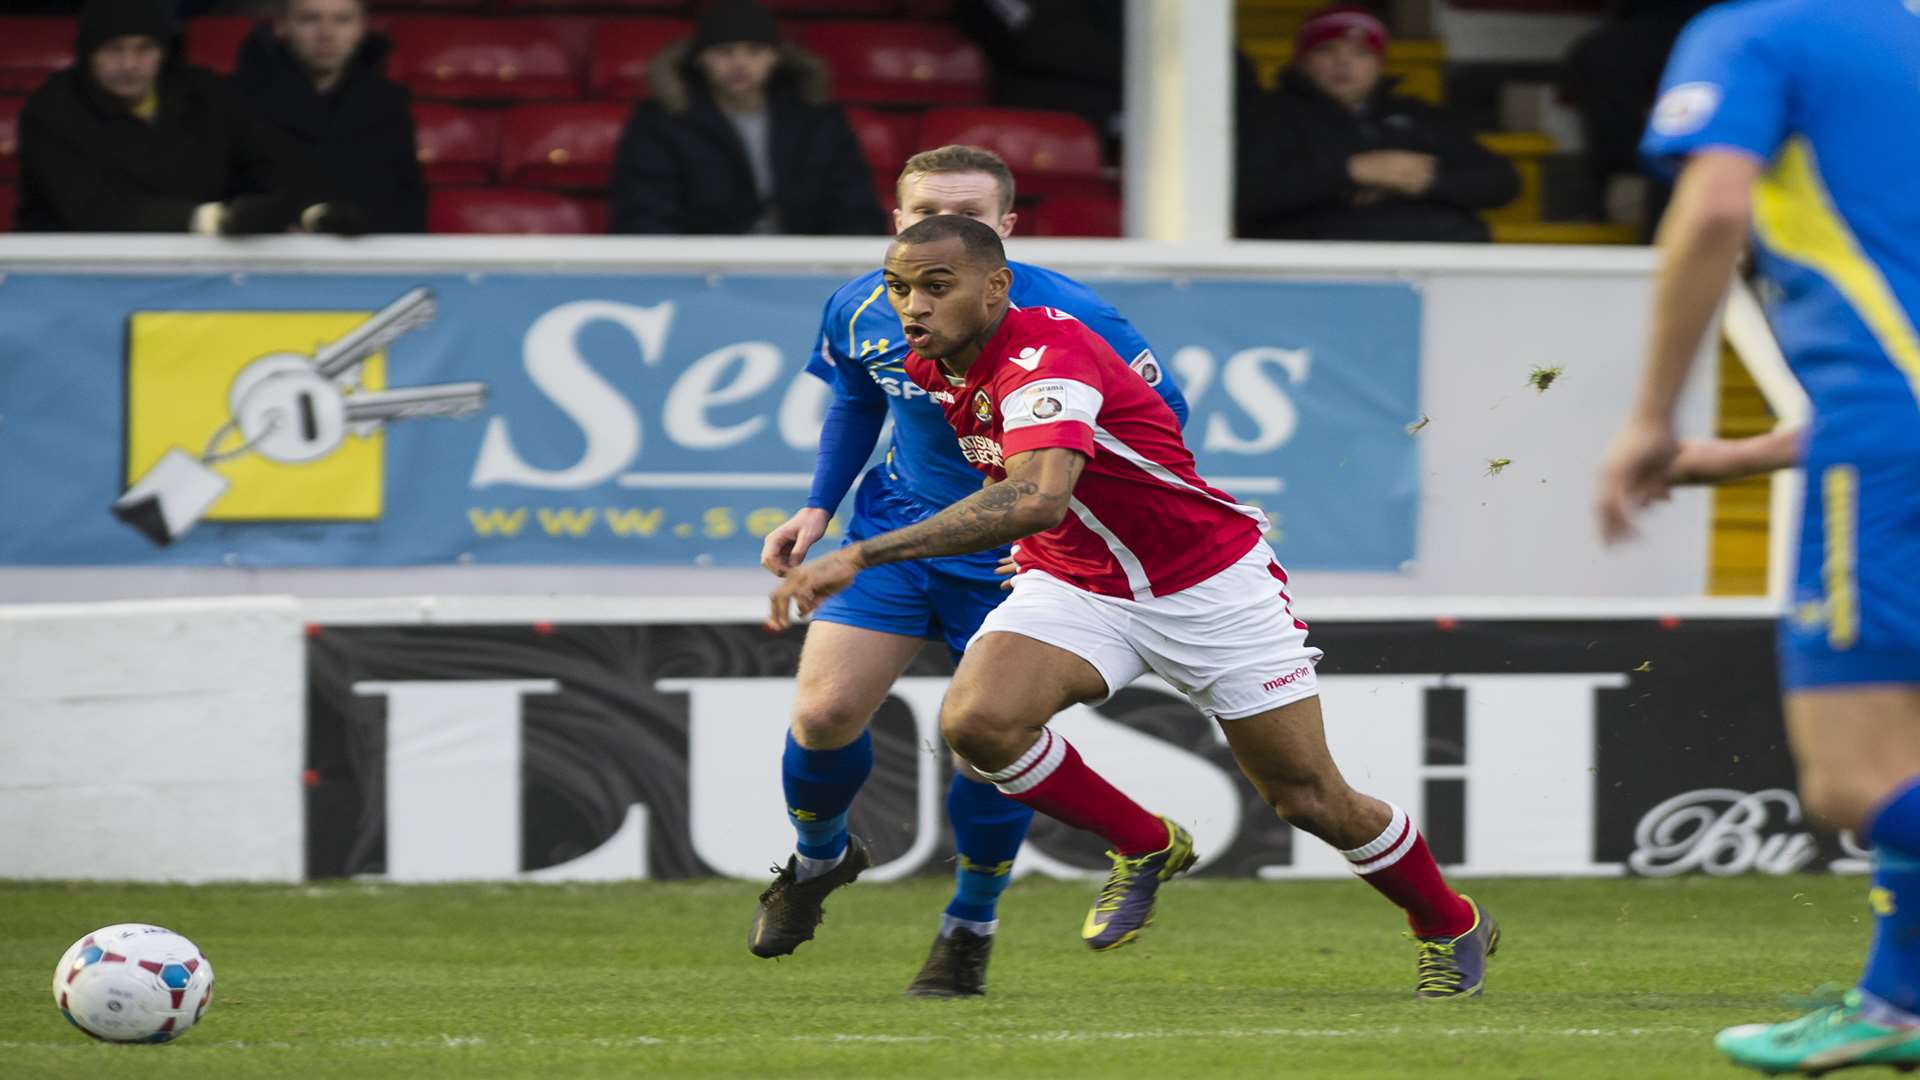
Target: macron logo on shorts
pixel 1292 676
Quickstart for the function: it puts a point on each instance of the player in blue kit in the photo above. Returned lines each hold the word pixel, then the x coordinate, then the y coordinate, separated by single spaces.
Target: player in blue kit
pixel 862 640
pixel 1802 118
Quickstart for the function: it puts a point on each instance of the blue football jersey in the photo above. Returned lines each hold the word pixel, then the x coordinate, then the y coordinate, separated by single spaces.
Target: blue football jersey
pixel 1827 94
pixel 861 353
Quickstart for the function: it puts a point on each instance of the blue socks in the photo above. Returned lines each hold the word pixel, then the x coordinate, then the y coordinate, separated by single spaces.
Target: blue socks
pixel 820 786
pixel 988 829
pixel 1893 962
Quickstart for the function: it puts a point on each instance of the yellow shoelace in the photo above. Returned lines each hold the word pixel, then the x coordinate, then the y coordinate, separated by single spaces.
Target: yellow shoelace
pixel 1124 870
pixel 1437 969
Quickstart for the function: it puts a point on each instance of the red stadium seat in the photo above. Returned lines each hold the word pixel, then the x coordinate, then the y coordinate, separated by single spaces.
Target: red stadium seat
pixel 1050 153
pixel 1073 215
pixel 485 59
pixel 902 63
pixel 561 146
pixel 10 135
pixel 214 40
pixel 509 211
pixel 455 145
pixel 32 48
pixel 887 139
pixel 621 52
pixel 8 197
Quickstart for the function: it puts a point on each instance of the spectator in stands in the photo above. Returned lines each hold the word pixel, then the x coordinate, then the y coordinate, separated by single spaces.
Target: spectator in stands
pixel 1054 54
pixel 1336 155
pixel 129 139
pixel 318 75
pixel 740 138
pixel 1611 76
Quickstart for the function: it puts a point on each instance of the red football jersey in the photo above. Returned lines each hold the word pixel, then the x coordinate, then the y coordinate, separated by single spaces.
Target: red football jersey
pixel 1142 523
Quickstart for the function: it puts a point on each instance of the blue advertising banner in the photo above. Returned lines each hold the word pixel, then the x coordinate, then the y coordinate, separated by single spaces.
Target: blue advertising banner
pixel 292 419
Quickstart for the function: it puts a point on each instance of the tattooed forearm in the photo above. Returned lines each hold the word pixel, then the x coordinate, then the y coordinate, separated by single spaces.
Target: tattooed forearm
pixel 995 515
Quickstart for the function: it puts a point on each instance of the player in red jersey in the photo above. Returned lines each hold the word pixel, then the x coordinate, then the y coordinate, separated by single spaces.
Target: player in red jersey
pixel 1129 562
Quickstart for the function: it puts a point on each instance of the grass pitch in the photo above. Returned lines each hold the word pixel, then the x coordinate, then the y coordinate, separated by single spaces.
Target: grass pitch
pixel 1596 978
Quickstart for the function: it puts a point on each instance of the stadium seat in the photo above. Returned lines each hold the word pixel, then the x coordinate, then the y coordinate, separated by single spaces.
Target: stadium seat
pixel 8 197
pixel 1050 153
pixel 213 41
pixel 886 138
pixel 510 211
pixel 10 135
pixel 561 146
pixel 1070 215
pixel 32 48
pixel 455 145
pixel 622 50
pixel 485 59
pixel 898 63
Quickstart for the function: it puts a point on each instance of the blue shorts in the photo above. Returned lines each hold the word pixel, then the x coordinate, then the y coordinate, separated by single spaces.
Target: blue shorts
pixel 942 599
pixel 1855 614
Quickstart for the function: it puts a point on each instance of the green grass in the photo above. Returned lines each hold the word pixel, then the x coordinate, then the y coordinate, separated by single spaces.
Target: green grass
pixel 1596 978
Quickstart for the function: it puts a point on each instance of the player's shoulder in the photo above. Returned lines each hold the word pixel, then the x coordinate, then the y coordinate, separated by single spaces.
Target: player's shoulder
pixel 1751 22
pixel 1040 286
pixel 850 297
pixel 1042 339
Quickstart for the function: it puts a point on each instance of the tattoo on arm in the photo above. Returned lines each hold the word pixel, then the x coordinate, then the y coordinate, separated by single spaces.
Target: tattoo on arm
pixel 996 514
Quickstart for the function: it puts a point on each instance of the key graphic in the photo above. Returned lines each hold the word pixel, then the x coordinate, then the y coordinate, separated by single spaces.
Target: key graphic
pixel 291 408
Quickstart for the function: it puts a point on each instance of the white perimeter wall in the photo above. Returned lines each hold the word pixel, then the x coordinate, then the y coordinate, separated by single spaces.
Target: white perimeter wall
pixel 153 741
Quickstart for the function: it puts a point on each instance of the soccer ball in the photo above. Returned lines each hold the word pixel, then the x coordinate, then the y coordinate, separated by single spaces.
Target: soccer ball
pixel 131 982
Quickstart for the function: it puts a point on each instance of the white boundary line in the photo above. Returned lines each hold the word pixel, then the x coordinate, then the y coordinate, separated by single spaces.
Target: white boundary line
pixel 469 1042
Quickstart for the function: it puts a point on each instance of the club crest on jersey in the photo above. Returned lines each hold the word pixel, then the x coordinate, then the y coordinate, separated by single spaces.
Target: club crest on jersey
pixel 982 407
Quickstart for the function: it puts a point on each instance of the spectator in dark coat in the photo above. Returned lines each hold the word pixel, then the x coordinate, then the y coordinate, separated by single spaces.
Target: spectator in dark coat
pixel 1611 76
pixel 1336 155
pixel 740 138
pixel 128 139
pixel 317 75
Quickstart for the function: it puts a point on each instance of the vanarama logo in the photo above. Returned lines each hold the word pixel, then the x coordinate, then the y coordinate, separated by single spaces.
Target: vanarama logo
pixel 267 416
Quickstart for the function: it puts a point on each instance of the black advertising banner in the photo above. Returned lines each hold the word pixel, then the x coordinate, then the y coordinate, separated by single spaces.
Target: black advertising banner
pixel 594 752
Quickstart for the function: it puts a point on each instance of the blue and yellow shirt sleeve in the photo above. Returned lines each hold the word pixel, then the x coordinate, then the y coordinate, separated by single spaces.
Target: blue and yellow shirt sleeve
pixel 854 417
pixel 1726 87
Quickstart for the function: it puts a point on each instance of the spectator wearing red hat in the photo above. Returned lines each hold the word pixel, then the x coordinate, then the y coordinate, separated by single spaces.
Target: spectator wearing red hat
pixel 1334 154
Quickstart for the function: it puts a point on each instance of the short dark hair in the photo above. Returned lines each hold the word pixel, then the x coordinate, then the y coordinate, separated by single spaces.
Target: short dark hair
pixel 944 160
pixel 981 242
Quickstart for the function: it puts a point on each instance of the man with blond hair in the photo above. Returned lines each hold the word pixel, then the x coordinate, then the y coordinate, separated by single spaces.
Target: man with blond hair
pixel 861 641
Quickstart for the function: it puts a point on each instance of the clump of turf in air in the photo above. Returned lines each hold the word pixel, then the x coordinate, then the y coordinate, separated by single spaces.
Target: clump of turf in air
pixel 1542 377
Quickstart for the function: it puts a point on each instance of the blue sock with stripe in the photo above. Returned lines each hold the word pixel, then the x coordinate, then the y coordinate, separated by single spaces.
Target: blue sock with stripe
pixel 1893 961
pixel 988 829
pixel 820 786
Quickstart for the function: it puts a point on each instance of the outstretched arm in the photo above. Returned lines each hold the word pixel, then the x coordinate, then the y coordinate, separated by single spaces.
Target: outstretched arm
pixel 1700 242
pixel 1715 461
pixel 1033 498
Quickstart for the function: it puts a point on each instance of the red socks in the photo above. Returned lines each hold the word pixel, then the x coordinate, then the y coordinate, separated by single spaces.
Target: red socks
pixel 1051 778
pixel 1398 864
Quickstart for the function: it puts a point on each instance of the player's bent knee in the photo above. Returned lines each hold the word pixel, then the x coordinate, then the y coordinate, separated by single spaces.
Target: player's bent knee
pixel 1836 801
pixel 987 738
pixel 826 725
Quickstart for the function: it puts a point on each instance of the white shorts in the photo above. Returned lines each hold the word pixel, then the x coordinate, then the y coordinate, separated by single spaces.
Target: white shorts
pixel 1230 643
